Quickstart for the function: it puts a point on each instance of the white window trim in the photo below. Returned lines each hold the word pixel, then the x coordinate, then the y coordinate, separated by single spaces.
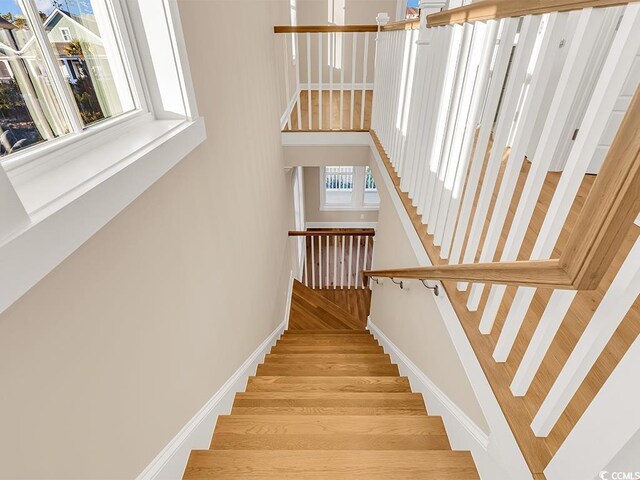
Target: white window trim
pixel 56 196
pixel 357 196
pixel 65 32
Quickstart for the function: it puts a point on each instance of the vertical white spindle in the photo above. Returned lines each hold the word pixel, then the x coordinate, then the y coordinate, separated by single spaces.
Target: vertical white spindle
pixel 477 101
pixel 306 263
pixel 328 282
pixel 581 45
pixel 319 261
pixel 509 28
pixel 364 78
pixel 613 308
pixel 287 89
pixel 358 239
pixel 549 49
pixel 309 104
pixel 341 80
pixel 344 241
pixel 509 103
pixel 614 74
pixel 332 60
pixel 456 75
pixel 335 262
pixel 320 86
pixel 350 260
pixel 294 38
pixel 313 264
pixel 354 50
pixel 365 262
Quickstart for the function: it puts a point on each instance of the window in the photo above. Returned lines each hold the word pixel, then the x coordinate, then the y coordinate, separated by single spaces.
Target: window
pixel 65 33
pixel 348 188
pixel 61 70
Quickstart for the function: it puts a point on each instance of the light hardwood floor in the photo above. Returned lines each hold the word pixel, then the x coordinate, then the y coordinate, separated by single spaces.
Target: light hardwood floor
pixel 520 411
pixel 328 403
pixel 332 122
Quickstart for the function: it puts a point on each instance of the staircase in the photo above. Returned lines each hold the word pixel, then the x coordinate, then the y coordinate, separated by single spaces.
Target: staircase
pixel 328 403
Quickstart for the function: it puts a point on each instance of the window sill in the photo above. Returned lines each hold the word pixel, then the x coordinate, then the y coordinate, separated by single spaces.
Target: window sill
pixel 83 186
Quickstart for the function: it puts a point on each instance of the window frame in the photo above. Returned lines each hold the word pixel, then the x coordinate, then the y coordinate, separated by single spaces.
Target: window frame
pixel 65 32
pixel 130 57
pixel 357 194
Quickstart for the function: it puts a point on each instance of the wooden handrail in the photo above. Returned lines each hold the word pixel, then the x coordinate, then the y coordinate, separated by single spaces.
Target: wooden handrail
pixel 369 232
pixel 496 9
pixel 324 28
pixel 412 24
pixel 602 226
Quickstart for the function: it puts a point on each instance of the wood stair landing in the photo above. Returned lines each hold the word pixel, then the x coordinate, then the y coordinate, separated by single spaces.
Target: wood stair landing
pixel 327 403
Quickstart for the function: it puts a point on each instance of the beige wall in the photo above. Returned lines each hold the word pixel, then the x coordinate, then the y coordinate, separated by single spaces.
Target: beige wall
pixel 106 359
pixel 312 203
pixel 410 318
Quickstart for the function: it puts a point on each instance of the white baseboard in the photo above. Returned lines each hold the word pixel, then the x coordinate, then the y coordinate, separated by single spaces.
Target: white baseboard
pixel 196 434
pixel 463 433
pixel 341 224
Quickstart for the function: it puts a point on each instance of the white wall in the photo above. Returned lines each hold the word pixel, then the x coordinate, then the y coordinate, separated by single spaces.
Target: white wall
pixel 104 360
pixel 410 319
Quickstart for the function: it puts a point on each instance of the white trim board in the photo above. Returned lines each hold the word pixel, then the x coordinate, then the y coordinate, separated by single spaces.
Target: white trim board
pixel 503 453
pixel 336 86
pixel 463 432
pixel 289 110
pixel 341 224
pixel 170 463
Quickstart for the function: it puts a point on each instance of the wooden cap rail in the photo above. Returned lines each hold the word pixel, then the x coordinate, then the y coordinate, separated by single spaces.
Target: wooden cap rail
pixel 369 232
pixel 324 28
pixel 610 209
pixel 496 9
pixel 412 24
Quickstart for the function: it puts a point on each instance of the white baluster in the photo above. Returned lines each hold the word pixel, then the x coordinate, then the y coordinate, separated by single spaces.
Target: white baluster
pixel 358 270
pixel 614 306
pixel 310 112
pixel 364 78
pixel 580 46
pixel 328 282
pixel 549 50
pixel 335 262
pixel 319 261
pixel 365 265
pixel 456 74
pixel 350 260
pixel 313 264
pixel 306 266
pixel 354 50
pixel 509 27
pixel 342 260
pixel 341 80
pixel 477 101
pixel 332 59
pixel 614 74
pixel 320 85
pixel 515 83
pixel 294 38
pixel 287 89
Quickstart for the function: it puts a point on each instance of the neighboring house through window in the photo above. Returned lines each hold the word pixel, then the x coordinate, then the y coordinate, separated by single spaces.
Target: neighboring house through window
pixel 66 34
pixel 348 188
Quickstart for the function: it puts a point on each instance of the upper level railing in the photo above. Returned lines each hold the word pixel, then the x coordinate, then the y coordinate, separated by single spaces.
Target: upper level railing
pixel 494 123
pixel 328 75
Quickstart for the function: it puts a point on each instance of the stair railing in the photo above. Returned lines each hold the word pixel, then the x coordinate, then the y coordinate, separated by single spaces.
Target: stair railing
pixel 328 75
pixel 502 107
pixel 335 258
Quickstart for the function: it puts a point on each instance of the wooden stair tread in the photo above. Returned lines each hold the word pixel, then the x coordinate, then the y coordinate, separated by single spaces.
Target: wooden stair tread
pixel 344 369
pixel 327 358
pixel 328 425
pixel 327 403
pixel 327 349
pixel 328 384
pixel 336 441
pixel 336 464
